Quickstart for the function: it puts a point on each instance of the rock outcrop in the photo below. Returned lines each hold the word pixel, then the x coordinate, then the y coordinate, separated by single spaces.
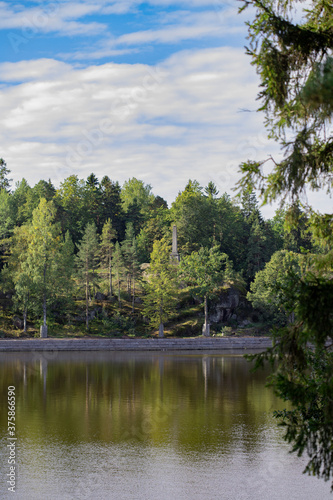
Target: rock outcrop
pixel 225 306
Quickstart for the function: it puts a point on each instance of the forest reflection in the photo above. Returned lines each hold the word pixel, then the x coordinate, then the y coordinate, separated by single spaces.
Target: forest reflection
pixel 191 401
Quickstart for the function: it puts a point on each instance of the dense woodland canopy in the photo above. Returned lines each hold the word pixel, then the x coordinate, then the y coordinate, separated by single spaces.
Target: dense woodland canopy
pixel 61 246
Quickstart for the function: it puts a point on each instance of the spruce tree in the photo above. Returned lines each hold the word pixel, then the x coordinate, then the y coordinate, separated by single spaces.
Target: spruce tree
pixel 86 261
pixel 107 245
pixel 291 48
pixel 118 265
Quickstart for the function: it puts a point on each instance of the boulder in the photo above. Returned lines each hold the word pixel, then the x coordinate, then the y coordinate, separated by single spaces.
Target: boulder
pixel 100 296
pixel 18 323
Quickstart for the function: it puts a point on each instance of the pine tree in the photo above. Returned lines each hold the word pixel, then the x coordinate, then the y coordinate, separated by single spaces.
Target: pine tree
pixel 131 261
pixel 66 267
pixel 87 261
pixel 108 236
pixel 290 44
pixel 4 171
pixel 118 265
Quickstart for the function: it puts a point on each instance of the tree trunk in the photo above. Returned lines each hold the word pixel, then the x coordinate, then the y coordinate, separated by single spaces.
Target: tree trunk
pixel 205 329
pixel 87 296
pixel 133 299
pixel 44 297
pixel 25 320
pixel 110 277
pixel 25 314
pixel 161 327
pixel 119 301
pixel 43 328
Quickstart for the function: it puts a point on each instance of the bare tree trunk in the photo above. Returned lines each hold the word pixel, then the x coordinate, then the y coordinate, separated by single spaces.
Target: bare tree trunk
pixel 205 329
pixel 44 297
pixel 25 320
pixel 161 327
pixel 93 283
pixel 119 301
pixel 133 298
pixel 43 328
pixel 25 314
pixel 87 296
pixel 110 277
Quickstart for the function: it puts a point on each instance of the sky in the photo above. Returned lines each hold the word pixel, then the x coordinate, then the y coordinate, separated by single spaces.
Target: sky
pixel 160 90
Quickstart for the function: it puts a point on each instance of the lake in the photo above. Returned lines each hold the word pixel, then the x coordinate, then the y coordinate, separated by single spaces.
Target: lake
pixel 146 426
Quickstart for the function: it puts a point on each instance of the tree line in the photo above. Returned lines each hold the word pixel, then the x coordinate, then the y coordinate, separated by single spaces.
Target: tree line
pixel 59 245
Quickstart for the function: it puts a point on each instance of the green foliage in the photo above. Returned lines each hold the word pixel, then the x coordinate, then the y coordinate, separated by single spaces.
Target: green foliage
pixel 309 427
pixel 135 192
pixel 160 286
pixel 86 261
pixel 205 271
pixel 294 62
pixel 156 227
pixel 70 197
pixel 39 263
pixel 131 262
pixel 107 248
pixel 7 217
pixel 267 288
pixel 291 48
pixel 190 212
pixel 43 251
pixel 4 171
pixel 119 266
pixel 111 206
pixel 303 375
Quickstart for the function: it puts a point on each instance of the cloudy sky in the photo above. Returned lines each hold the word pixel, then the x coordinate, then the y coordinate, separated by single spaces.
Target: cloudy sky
pixel 160 90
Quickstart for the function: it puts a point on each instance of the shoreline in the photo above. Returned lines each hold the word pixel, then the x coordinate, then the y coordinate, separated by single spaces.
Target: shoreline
pixel 164 344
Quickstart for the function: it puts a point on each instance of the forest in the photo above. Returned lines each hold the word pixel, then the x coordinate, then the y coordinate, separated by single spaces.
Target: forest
pixel 92 256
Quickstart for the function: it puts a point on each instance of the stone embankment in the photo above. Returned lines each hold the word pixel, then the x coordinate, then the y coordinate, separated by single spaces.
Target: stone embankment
pixel 98 344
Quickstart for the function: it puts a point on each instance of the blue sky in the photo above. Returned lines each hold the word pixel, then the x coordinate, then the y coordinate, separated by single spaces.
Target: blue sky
pixel 161 90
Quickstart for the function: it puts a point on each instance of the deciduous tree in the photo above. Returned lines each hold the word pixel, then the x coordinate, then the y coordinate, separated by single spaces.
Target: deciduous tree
pixel 205 271
pixel 160 286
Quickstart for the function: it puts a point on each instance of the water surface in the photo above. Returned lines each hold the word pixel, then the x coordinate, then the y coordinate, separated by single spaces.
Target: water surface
pixel 146 426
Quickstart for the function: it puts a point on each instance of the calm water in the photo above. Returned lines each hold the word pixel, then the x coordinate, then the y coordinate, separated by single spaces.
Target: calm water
pixel 147 426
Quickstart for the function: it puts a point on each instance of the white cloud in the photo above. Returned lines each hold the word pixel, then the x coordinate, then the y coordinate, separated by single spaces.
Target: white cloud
pixel 50 17
pixel 170 28
pixel 165 125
